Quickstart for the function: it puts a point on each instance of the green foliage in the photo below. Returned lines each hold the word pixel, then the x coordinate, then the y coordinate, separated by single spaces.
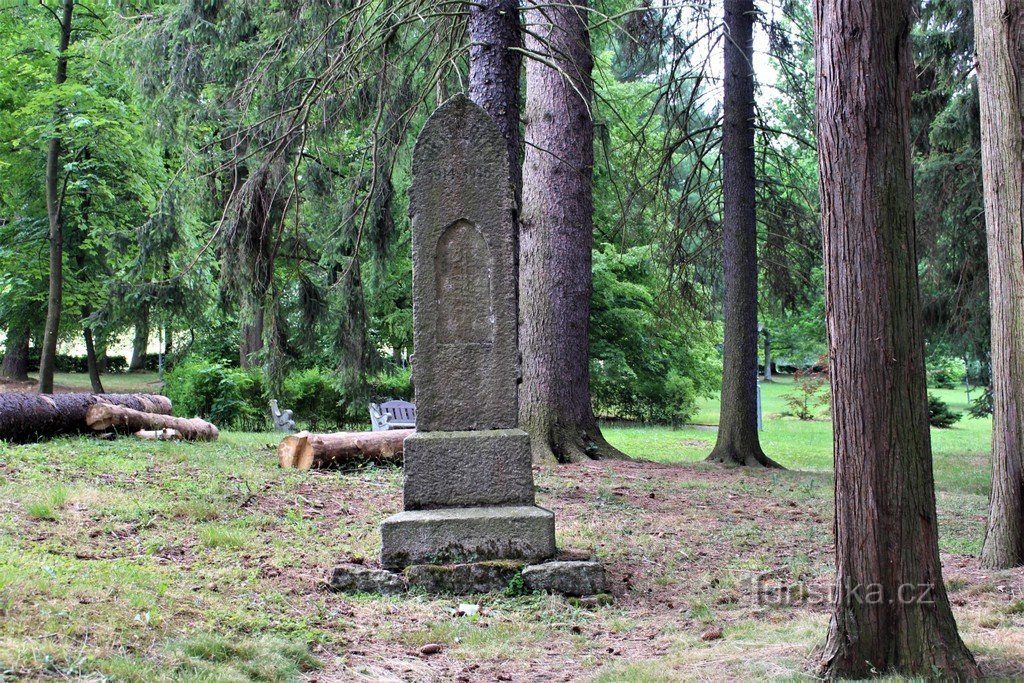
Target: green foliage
pixel 940 414
pixel 645 364
pixel 983 405
pixel 394 383
pixel 229 397
pixel 313 397
pixel 516 587
pixel 945 372
pixel 810 394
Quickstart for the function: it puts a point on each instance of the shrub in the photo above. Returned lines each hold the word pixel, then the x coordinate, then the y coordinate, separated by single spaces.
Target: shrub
pixel 313 397
pixel 647 362
pixel 811 392
pixel 395 383
pixel 946 372
pixel 229 397
pixel 940 414
pixel 982 406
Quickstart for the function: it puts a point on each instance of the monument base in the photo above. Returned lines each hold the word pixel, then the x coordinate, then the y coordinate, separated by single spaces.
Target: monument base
pixel 456 535
pixel 465 469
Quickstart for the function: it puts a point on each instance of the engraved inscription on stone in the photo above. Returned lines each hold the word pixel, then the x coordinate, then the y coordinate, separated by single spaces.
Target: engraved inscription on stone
pixel 464 312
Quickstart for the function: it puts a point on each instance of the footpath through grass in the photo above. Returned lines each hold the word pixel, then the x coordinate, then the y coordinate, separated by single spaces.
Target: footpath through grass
pixel 126 560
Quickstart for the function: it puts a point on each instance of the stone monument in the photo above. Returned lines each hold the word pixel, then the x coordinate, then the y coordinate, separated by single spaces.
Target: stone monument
pixel 468 493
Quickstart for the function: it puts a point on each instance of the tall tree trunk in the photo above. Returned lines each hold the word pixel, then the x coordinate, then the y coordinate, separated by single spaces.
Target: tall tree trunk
pixel 92 364
pixel 53 212
pixel 556 234
pixel 767 355
pixel 141 341
pixel 494 69
pixel 738 442
pixel 251 340
pixel 15 365
pixel 891 612
pixel 999 40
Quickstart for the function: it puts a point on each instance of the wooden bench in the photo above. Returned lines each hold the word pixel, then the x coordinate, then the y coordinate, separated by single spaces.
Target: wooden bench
pixel 392 415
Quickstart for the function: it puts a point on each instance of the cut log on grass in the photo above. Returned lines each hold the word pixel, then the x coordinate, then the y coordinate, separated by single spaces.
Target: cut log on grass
pixel 104 416
pixel 28 417
pixel 304 451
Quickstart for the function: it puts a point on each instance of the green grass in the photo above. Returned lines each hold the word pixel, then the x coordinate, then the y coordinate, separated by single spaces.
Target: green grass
pixel 119 383
pixel 960 453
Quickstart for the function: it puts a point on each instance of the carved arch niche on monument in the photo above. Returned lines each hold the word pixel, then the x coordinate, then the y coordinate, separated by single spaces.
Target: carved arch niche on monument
pixel 462 266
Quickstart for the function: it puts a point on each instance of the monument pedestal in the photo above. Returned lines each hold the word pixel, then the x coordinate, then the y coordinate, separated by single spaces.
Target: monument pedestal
pixel 463 469
pixel 468 498
pixel 456 535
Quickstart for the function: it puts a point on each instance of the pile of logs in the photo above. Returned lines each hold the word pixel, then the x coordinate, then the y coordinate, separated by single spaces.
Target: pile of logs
pixel 25 418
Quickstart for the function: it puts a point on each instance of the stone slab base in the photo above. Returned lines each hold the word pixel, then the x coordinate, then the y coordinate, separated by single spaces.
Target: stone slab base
pixel 463 579
pixel 461 469
pixel 567 578
pixel 461 535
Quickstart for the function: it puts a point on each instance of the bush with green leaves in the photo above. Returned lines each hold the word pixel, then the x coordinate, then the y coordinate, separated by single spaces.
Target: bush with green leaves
pixel 946 372
pixel 391 383
pixel 646 362
pixel 314 398
pixel 230 398
pixel 940 414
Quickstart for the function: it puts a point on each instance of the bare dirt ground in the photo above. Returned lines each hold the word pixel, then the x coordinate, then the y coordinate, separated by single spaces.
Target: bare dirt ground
pixel 716 575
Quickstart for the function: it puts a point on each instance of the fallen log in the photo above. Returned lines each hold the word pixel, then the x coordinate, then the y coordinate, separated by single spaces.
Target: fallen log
pixel 305 451
pixel 28 417
pixel 103 416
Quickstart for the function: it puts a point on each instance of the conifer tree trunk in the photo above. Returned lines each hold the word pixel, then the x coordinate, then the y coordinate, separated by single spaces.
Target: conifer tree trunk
pixel 738 442
pixel 15 365
pixel 494 71
pixel 53 212
pixel 999 40
pixel 92 363
pixel 141 341
pixel 890 613
pixel 556 234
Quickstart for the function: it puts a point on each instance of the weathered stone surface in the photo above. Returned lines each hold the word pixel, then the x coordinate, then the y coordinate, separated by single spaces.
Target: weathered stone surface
pixel 464 280
pixel 460 469
pixel 458 535
pixel 463 579
pixel 352 579
pixel 567 578
pixel 468 476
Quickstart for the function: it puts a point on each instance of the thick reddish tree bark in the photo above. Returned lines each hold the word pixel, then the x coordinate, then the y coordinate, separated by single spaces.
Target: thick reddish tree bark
pixel 15 364
pixel 999 39
pixel 494 70
pixel 53 211
pixel 738 443
pixel 891 612
pixel 556 234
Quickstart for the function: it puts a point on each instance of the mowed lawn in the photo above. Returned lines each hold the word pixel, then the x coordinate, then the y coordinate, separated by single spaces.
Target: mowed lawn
pixel 123 560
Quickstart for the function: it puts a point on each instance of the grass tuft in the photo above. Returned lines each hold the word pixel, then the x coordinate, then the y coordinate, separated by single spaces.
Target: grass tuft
pixel 45 508
pixel 217 536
